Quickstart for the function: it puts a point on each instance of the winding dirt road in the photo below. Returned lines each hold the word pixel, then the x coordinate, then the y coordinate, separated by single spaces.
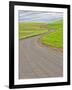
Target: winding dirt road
pixel 38 61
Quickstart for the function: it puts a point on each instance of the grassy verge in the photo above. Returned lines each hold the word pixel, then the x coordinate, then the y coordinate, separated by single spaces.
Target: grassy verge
pixel 54 38
pixel 27 30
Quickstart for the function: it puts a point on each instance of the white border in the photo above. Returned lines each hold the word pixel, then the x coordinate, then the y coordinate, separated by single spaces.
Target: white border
pixel 16 45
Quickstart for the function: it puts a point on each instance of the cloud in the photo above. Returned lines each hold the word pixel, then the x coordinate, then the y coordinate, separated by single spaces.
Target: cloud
pixel 36 16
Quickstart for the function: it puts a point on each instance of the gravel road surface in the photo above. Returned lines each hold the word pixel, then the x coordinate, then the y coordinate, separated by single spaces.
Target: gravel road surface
pixel 39 61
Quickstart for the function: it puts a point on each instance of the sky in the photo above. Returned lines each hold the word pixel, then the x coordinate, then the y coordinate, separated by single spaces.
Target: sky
pixel 39 16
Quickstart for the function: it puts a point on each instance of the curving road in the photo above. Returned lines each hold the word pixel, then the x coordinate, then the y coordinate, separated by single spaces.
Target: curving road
pixel 38 61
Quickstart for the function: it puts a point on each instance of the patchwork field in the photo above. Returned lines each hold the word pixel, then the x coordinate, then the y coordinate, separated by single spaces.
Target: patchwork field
pixel 27 30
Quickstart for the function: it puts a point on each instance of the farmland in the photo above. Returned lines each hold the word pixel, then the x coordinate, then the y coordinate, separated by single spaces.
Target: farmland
pixel 32 29
pixel 27 30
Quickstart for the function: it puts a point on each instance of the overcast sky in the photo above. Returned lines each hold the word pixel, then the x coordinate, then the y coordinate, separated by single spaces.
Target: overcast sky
pixel 39 16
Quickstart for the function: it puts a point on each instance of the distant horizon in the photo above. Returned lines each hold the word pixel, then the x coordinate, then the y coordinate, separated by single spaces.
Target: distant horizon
pixel 39 16
pixel 41 22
